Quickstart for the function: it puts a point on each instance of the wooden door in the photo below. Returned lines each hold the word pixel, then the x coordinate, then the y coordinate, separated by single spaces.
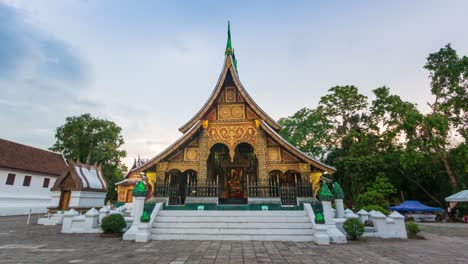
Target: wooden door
pixel 129 196
pixel 65 200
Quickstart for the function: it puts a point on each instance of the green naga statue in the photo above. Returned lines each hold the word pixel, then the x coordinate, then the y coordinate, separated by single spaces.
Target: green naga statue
pixel 145 218
pixel 325 194
pixel 337 191
pixel 140 190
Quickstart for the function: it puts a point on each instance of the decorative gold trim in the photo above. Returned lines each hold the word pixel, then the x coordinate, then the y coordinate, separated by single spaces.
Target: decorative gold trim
pixel 183 166
pixel 191 154
pixel 274 154
pixel 231 94
pixel 231 111
pixel 283 167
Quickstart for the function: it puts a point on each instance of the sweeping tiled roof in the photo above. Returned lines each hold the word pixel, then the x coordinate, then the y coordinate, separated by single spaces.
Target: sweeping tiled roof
pixel 22 157
pixel 84 177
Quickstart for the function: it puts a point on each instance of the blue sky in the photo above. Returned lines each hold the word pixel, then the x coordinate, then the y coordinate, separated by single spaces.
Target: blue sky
pixel 150 65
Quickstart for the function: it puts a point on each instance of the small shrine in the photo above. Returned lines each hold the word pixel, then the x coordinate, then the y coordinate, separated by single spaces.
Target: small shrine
pixel 126 186
pixel 81 187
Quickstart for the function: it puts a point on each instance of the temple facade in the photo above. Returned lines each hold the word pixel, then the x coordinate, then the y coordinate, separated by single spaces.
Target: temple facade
pixel 231 153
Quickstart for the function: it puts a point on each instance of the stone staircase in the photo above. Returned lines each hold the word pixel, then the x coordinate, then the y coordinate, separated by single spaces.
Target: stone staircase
pixel 232 225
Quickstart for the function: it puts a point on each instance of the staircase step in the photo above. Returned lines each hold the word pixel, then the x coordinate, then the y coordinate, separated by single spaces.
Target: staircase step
pixel 225 237
pixel 158 224
pixel 233 219
pixel 230 213
pixel 232 231
pixel 232 225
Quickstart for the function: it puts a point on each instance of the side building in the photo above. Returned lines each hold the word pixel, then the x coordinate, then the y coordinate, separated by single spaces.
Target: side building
pixel 26 176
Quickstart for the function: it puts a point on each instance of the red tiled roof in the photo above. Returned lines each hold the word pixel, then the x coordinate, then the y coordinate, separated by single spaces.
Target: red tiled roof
pixel 22 157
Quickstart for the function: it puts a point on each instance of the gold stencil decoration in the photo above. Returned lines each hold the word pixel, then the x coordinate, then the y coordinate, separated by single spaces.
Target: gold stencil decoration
pixel 224 112
pixel 237 112
pixel 231 111
pixel 231 135
pixel 283 167
pixel 251 114
pixel 191 154
pixel 230 95
pixel 274 154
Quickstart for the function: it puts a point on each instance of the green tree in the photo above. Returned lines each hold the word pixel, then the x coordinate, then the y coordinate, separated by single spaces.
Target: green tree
pixel 94 141
pixel 308 130
pixel 383 186
pixel 343 107
pixel 449 85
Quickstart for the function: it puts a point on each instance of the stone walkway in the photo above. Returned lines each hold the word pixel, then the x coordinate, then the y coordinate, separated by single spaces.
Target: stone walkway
pixel 20 243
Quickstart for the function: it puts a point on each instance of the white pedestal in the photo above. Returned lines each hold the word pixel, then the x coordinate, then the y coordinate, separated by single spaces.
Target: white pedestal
pixel 327 212
pixel 339 208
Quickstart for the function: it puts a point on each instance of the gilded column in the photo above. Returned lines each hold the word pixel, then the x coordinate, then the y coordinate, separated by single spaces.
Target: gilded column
pixel 261 152
pixel 160 173
pixel 305 174
pixel 204 153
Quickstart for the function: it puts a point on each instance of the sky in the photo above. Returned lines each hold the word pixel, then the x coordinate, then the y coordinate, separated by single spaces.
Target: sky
pixel 149 66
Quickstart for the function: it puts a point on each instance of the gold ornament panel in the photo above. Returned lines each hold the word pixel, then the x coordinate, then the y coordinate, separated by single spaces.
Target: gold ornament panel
pixel 231 111
pixel 232 134
pixel 273 154
pixel 230 94
pixel 191 154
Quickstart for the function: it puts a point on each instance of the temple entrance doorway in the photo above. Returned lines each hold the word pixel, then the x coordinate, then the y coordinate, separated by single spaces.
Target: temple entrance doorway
pixel 232 174
pixel 178 184
pixel 288 183
pixel 65 200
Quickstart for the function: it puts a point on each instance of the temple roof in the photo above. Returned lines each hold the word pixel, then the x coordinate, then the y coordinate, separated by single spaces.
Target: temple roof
pixel 85 178
pixel 295 150
pixel 179 142
pixel 230 65
pixel 26 158
pixel 136 164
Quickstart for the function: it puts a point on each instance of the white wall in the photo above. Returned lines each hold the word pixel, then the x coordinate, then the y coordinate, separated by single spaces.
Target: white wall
pixel 87 199
pixel 18 199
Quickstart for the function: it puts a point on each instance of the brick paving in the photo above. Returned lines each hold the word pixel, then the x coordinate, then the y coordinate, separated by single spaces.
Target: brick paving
pixel 20 243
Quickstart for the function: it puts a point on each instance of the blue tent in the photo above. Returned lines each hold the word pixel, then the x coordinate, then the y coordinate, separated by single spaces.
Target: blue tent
pixel 414 206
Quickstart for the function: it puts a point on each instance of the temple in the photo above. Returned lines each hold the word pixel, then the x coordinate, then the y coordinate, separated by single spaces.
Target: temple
pixel 231 153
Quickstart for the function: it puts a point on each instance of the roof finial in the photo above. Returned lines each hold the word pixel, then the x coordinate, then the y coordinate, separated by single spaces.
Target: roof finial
pixel 229 45
pixel 234 60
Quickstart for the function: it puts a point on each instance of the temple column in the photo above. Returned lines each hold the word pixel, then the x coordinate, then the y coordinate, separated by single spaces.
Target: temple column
pixel 160 173
pixel 160 192
pixel 305 194
pixel 261 153
pixel 304 170
pixel 204 153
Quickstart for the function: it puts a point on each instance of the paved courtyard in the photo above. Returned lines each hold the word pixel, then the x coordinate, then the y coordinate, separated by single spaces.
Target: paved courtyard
pixel 21 243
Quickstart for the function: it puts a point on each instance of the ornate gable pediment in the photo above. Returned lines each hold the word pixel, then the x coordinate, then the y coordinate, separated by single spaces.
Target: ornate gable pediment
pixel 229 90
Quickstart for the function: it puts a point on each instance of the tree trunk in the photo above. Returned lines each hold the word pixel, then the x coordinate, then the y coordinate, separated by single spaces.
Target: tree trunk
pixel 88 159
pixel 422 188
pixel 451 176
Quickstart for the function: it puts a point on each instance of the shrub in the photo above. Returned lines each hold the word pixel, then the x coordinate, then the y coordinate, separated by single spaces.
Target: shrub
pixel 369 208
pixel 371 198
pixel 113 223
pixel 412 228
pixel 354 228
